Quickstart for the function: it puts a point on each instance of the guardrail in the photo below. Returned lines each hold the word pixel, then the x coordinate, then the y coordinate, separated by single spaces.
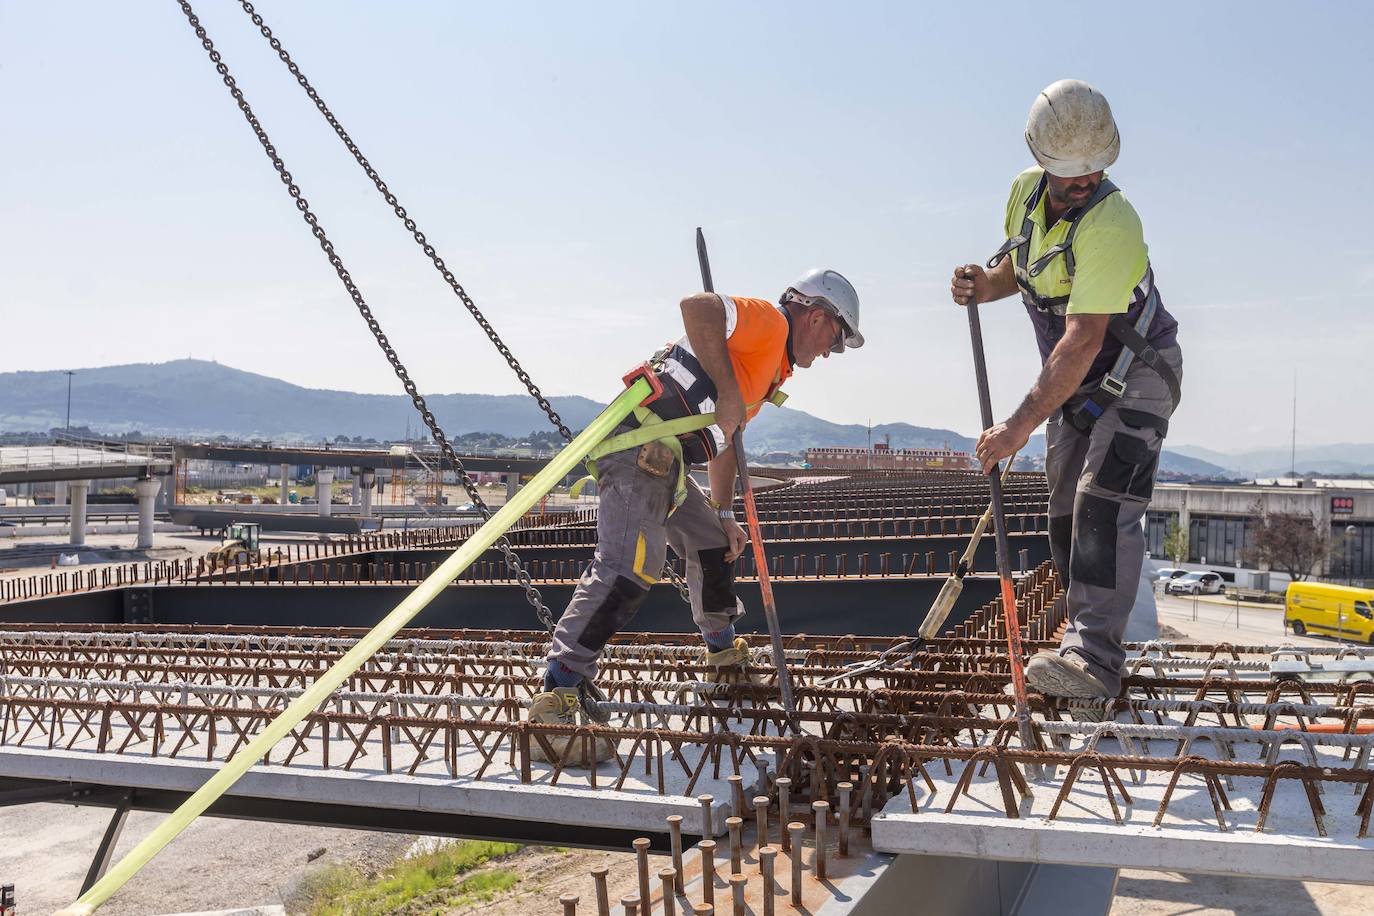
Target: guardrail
pixel 24 515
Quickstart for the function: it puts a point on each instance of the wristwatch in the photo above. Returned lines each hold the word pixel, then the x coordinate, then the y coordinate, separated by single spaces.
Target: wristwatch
pixel 727 514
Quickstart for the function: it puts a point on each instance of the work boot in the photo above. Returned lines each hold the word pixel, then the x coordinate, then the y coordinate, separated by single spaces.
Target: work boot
pixel 560 706
pixel 1057 675
pixel 728 666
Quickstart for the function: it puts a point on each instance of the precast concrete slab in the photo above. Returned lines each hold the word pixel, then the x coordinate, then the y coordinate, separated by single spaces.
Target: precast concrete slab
pixel 1187 838
pixel 569 798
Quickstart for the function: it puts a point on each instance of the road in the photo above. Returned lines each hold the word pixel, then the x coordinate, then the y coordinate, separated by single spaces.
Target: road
pixel 1214 620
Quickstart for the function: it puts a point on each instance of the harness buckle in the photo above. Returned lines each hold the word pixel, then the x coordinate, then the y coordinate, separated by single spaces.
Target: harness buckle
pixel 646 372
pixel 1114 386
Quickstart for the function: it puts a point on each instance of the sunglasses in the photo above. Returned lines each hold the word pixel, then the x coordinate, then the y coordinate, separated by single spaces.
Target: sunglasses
pixel 820 302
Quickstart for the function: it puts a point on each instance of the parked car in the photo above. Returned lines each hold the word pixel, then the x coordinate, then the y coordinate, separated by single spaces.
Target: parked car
pixel 1165 573
pixel 1195 583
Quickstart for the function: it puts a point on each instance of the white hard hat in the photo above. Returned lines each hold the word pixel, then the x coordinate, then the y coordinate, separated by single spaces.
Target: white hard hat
pixel 828 289
pixel 1071 131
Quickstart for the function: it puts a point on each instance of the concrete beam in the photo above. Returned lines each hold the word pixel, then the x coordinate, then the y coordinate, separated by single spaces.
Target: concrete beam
pixel 499 793
pixel 1187 840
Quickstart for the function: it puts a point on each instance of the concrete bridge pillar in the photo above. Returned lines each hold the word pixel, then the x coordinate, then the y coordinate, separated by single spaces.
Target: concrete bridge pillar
pixel 512 485
pixel 324 490
pixel 285 484
pixel 79 489
pixel 59 493
pixel 367 484
pixel 357 495
pixel 147 492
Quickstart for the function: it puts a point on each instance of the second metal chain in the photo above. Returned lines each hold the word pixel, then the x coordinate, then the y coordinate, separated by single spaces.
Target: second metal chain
pixel 403 215
pixel 512 561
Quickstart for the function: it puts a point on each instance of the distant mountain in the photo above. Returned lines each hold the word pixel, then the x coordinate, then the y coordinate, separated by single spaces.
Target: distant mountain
pixel 1347 458
pixel 1172 462
pixel 786 430
pixel 190 397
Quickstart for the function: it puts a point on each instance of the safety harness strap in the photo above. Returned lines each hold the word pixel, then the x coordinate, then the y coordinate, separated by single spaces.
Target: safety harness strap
pixel 1133 346
pixel 653 428
pixel 1020 244
pixel 1132 337
pixel 1136 344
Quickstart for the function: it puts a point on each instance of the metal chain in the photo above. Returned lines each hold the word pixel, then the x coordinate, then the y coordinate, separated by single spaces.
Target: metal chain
pixel 410 225
pixel 424 244
pixel 512 561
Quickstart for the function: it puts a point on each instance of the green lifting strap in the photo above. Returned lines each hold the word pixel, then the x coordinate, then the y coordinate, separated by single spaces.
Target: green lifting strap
pixel 653 429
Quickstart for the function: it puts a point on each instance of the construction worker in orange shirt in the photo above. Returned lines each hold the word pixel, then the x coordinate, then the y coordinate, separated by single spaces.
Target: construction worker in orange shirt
pixel 734 357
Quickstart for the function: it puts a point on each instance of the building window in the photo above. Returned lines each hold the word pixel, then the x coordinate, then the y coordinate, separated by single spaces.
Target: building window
pixel 1222 540
pixel 1156 528
pixel 1352 556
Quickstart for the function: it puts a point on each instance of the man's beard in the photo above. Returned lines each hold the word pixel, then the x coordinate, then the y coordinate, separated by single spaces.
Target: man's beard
pixel 1068 198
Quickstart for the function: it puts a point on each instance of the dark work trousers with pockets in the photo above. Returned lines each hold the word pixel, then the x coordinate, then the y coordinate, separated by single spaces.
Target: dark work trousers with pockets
pixel 1100 485
pixel 633 531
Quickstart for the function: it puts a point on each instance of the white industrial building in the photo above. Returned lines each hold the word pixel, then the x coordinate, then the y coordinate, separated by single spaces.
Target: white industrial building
pixel 1220 521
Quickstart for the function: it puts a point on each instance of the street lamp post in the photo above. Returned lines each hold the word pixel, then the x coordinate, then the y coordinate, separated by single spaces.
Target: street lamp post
pixel 68 427
pixel 1350 532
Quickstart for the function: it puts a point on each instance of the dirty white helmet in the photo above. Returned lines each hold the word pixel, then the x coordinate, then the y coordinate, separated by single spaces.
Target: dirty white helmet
pixel 828 289
pixel 1071 131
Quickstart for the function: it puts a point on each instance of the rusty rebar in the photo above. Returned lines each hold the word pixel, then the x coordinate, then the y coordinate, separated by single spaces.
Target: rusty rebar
pixel 821 810
pixel 603 899
pixel 675 837
pixel 735 825
pixel 669 878
pixel 795 829
pixel 761 819
pixel 737 884
pixel 766 857
pixel 706 801
pixel 641 845
pixel 784 786
pixel 707 849
pixel 845 788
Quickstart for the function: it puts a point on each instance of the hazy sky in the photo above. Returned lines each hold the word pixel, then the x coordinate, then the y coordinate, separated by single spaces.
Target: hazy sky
pixel 560 155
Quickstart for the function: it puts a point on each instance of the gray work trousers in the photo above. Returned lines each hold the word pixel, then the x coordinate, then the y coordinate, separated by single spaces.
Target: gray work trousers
pixel 1100 486
pixel 633 531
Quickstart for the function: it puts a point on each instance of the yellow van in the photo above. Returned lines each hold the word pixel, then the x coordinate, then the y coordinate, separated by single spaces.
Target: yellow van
pixel 1330 610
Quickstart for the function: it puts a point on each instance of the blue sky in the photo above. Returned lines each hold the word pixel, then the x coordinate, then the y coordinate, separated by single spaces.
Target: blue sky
pixel 559 157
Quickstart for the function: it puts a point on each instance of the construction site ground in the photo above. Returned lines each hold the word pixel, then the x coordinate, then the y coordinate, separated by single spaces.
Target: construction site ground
pixel 47 848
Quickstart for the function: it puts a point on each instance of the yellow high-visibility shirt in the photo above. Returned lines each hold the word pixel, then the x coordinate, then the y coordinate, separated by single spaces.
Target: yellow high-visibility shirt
pixel 1110 257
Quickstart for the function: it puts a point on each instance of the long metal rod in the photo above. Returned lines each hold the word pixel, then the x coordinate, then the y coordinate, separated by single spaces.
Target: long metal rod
pixel 375 639
pixel 770 607
pixel 1013 624
pixel 751 513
